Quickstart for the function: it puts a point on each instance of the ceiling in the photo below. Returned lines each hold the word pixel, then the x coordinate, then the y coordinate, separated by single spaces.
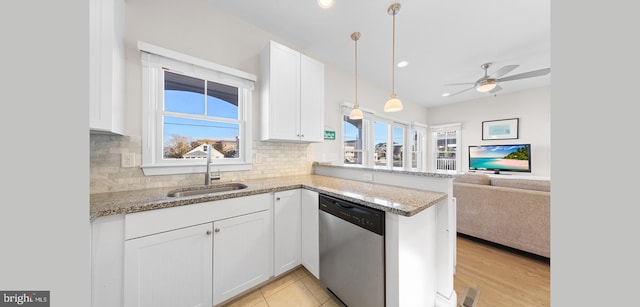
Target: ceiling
pixel 443 41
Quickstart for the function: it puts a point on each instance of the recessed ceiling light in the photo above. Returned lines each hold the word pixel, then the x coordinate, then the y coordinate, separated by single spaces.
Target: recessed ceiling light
pixel 325 4
pixel 403 63
pixel 446 95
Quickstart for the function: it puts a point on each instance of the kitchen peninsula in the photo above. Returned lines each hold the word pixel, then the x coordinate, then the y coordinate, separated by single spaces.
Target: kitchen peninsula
pixel 419 249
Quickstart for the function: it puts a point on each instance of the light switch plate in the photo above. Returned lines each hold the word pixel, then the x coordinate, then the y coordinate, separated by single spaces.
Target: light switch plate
pixel 127 159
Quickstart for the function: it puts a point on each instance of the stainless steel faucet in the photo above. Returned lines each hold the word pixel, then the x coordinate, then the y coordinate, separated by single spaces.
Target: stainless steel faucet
pixel 207 176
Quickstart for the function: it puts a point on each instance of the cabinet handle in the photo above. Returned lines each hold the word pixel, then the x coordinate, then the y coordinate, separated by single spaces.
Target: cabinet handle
pixel 277 198
pixel 208 232
pixel 217 230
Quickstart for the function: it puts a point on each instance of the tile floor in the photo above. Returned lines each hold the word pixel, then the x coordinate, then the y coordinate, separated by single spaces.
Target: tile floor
pixel 298 288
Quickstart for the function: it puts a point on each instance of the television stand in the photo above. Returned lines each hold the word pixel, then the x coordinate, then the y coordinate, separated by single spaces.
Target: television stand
pixel 497 172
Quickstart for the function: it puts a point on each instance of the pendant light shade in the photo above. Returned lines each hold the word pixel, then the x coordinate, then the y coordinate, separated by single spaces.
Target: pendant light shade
pixel 356 113
pixel 393 104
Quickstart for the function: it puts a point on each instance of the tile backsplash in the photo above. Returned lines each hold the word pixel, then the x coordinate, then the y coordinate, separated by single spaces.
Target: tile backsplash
pixel 274 159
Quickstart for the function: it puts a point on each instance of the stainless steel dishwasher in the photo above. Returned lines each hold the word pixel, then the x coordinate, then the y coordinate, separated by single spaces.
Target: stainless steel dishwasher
pixel 352 259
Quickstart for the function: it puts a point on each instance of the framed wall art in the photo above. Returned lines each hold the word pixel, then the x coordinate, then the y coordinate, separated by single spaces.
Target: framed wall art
pixel 502 129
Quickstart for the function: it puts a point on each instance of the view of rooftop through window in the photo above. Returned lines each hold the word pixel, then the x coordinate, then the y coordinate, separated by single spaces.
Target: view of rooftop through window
pixel 192 119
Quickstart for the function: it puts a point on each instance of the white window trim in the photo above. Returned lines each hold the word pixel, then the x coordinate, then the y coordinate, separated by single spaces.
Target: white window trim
pixel 346 109
pixel 434 143
pixel 422 158
pixel 153 60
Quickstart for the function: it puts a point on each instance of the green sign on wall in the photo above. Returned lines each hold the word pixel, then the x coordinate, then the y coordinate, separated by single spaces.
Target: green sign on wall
pixel 329 135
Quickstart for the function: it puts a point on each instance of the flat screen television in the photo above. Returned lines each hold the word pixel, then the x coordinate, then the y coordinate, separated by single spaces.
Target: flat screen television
pixel 500 158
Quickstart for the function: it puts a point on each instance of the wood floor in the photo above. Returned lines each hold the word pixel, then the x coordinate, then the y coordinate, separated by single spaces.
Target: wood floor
pixel 503 277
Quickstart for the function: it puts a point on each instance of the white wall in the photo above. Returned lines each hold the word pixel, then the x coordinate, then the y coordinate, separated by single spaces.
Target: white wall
pixel 532 107
pixel 197 28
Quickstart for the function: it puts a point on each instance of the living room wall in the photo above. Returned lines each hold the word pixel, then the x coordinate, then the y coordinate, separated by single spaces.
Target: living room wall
pixel 531 107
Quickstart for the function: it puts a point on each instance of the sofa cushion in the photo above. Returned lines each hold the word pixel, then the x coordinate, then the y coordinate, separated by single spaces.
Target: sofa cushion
pixel 473 178
pixel 526 184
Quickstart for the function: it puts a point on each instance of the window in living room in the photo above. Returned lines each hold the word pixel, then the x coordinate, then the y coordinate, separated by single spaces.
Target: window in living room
pixel 446 156
pixel 353 141
pixel 380 142
pixel 418 147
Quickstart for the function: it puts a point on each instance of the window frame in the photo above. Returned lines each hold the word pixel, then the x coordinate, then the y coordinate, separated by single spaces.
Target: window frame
pixel 457 127
pixel 421 147
pixel 157 60
pixel 368 149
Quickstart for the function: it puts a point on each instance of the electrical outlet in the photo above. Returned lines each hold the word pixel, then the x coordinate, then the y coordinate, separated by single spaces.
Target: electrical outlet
pixel 127 159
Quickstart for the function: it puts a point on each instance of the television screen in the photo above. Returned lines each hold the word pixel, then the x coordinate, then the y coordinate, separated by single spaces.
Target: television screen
pixel 508 158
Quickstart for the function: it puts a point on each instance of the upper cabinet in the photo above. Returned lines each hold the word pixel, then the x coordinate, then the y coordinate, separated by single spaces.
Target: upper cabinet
pixel 292 95
pixel 106 68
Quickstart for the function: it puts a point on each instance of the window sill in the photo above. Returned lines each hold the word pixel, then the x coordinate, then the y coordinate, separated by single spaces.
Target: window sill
pixel 156 170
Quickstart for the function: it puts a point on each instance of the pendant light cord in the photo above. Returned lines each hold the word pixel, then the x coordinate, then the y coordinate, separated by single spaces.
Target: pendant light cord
pixel 393 57
pixel 356 72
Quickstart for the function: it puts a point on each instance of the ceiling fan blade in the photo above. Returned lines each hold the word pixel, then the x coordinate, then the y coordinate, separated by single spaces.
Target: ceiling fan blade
pixel 531 74
pixel 502 71
pixel 462 91
pixel 471 83
pixel 495 89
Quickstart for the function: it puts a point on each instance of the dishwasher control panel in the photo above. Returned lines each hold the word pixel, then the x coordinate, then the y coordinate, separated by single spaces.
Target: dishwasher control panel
pixel 359 215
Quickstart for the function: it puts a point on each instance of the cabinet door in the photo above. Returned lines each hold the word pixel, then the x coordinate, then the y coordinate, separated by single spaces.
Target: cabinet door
pixel 284 93
pixel 310 232
pixel 169 269
pixel 311 100
pixel 106 66
pixel 286 221
pixel 242 254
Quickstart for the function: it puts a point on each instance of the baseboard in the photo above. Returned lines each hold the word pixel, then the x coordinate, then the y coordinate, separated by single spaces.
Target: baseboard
pixel 506 248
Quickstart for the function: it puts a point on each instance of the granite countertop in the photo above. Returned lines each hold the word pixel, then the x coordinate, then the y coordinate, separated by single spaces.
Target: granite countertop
pixel 401 201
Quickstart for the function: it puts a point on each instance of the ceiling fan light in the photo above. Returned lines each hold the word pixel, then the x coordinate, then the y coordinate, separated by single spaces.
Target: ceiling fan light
pixel 393 104
pixel 325 4
pixel 356 113
pixel 486 85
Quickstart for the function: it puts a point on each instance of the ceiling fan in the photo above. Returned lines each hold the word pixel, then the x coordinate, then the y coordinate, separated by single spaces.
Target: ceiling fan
pixel 489 83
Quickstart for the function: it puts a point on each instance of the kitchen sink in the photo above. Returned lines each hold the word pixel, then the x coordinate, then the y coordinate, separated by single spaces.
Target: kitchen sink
pixel 207 189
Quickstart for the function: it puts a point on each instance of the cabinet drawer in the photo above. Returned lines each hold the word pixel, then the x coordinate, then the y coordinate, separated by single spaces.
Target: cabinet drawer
pixel 154 221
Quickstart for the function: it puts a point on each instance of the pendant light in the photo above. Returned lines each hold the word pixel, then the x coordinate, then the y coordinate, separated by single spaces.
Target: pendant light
pixel 393 104
pixel 356 113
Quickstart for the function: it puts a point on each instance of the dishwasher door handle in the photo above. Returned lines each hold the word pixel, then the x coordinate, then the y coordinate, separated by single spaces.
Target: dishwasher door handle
pixel 344 205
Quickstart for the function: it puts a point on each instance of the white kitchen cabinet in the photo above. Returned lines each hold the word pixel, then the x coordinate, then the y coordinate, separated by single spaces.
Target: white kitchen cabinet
pixel 310 232
pixel 170 269
pixel 242 249
pixel 292 95
pixel 286 231
pixel 106 66
pixel 196 255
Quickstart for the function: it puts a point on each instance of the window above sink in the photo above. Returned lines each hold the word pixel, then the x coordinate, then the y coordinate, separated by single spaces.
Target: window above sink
pixel 187 103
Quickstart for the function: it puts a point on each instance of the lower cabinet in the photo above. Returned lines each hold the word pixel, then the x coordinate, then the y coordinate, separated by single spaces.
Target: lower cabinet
pixel 169 269
pixel 197 255
pixel 286 230
pixel 241 254
pixel 310 249
pixel 295 231
pixel 203 254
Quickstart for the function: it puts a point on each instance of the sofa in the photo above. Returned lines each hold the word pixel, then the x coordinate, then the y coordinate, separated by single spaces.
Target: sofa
pixel 507 211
